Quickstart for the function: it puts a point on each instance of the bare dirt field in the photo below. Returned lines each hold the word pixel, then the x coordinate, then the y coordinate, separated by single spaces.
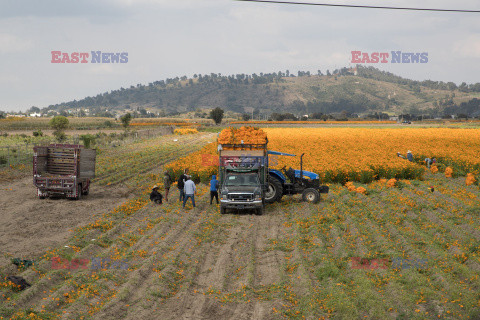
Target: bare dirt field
pixel 29 225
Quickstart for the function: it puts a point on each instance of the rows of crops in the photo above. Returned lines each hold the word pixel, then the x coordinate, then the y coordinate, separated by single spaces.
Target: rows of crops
pixel 298 261
pixel 116 165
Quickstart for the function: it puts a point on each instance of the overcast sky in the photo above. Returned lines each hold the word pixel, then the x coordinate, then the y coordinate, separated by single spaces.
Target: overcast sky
pixel 168 38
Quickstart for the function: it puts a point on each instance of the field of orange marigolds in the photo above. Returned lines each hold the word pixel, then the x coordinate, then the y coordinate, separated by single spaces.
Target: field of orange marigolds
pixel 393 248
pixel 360 154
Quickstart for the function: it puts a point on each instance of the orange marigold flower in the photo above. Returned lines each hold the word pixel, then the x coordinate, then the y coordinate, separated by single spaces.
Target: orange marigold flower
pixel 470 179
pixel 448 172
pixel 391 183
pixel 361 190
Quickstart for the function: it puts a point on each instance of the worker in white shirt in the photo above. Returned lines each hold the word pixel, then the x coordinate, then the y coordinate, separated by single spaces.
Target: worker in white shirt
pixel 189 190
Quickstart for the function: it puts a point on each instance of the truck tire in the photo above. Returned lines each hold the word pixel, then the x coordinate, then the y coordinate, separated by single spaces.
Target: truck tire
pixel 40 194
pixel 274 191
pixel 79 192
pixel 223 210
pixel 259 211
pixel 310 195
pixel 85 193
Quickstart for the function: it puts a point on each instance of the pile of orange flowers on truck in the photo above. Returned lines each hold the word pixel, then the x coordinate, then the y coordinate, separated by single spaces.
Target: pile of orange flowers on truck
pixel 244 135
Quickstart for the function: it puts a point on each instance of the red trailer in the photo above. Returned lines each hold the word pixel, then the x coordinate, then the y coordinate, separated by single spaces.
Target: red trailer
pixel 63 169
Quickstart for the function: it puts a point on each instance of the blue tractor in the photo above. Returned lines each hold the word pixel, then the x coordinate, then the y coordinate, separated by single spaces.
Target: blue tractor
pixel 291 181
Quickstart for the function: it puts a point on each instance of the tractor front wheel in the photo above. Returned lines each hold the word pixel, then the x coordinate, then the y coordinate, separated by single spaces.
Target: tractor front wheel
pixel 310 195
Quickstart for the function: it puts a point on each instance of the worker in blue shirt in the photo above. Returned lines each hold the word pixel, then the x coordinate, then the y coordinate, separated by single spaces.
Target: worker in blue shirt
pixel 213 189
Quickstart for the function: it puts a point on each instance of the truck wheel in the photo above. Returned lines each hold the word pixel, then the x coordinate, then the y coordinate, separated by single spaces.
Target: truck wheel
pixel 310 195
pixel 223 210
pixel 40 194
pixel 274 191
pixel 79 192
pixel 259 211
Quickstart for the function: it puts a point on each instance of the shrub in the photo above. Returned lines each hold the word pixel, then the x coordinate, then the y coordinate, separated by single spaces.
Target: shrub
pixel 38 133
pixel 60 136
pixel 88 140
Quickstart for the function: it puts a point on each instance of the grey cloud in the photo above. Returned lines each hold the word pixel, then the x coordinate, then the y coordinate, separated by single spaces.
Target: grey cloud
pixel 60 8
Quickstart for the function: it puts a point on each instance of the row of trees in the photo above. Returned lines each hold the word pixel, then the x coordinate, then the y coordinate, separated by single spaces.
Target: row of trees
pixel 374 73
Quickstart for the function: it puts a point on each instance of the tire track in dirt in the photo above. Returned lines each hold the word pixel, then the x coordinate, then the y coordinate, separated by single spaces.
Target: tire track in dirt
pixel 210 274
pixel 260 263
pixel 218 271
pixel 142 280
pixel 268 262
pixel 242 261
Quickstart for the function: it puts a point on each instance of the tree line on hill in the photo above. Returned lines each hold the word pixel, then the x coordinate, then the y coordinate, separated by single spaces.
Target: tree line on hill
pixel 376 74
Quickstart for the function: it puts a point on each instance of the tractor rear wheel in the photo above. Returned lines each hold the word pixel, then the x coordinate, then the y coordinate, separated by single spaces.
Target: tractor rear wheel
pixel 311 195
pixel 274 191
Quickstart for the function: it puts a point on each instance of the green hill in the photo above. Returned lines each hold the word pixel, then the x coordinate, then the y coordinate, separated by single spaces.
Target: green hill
pixel 371 90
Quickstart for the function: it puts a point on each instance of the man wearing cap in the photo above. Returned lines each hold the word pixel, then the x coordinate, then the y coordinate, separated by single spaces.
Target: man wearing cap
pixel 156 196
pixel 189 190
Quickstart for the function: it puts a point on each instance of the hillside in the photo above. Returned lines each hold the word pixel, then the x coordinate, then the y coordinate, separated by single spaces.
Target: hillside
pixel 371 90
